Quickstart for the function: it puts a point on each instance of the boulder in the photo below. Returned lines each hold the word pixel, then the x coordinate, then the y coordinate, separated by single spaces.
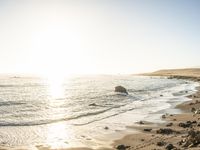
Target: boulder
pixel 121 89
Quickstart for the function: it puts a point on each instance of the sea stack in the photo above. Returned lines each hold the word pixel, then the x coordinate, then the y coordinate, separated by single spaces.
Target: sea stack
pixel 121 89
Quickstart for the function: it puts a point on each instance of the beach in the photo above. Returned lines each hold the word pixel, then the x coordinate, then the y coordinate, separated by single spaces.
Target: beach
pixel 161 117
pixel 178 127
pixel 150 139
pixel 99 75
pixel 177 130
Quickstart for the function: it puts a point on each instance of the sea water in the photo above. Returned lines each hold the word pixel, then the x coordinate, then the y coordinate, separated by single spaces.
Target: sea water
pixel 58 113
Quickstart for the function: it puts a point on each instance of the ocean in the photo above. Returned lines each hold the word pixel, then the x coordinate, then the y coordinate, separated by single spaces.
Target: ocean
pixel 58 112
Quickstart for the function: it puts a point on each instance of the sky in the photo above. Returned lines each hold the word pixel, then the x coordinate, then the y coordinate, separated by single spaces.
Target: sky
pixel 98 36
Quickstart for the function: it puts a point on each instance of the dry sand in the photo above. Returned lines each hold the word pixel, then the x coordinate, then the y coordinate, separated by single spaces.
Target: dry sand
pixel 185 127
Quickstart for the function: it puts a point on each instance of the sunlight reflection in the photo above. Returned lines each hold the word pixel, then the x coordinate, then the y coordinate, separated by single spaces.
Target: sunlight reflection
pixel 56 87
pixel 57 135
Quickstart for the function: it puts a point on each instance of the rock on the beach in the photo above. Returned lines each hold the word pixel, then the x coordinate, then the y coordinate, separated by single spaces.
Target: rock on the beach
pixel 197 111
pixel 184 125
pixel 122 147
pixel 193 109
pixel 161 143
pixel 169 124
pixel 188 124
pixel 193 139
pixel 121 89
pixel 147 130
pixel 163 116
pixel 165 131
pixel 169 147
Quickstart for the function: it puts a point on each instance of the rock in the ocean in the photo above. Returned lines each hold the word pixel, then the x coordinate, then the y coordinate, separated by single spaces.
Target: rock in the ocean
pixel 141 122
pixel 93 104
pixel 121 89
pixel 169 124
pixel 106 128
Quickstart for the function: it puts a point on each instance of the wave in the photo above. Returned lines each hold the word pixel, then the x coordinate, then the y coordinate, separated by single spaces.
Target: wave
pixel 81 124
pixel 49 121
pixel 11 103
pixel 18 85
pixel 110 97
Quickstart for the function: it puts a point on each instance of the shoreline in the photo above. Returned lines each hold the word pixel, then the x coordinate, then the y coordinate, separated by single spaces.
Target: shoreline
pixel 143 135
pixel 146 136
pixel 156 136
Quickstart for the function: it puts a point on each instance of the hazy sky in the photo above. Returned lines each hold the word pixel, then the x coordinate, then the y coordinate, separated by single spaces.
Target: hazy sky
pixel 98 36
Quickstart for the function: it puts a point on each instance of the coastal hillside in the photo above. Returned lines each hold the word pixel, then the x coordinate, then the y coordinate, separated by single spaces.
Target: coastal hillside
pixel 187 72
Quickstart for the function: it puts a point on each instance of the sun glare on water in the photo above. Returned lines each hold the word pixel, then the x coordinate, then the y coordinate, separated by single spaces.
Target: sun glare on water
pixel 57 134
pixel 56 82
pixel 56 87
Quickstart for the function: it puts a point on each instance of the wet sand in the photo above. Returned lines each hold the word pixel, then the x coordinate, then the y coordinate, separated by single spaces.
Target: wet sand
pixel 147 140
pixel 181 131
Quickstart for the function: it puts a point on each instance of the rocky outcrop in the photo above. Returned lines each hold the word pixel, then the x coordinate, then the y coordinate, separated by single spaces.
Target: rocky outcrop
pixel 121 89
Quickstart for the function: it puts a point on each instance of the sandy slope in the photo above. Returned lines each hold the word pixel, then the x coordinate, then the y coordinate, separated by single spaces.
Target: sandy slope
pixel 188 72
